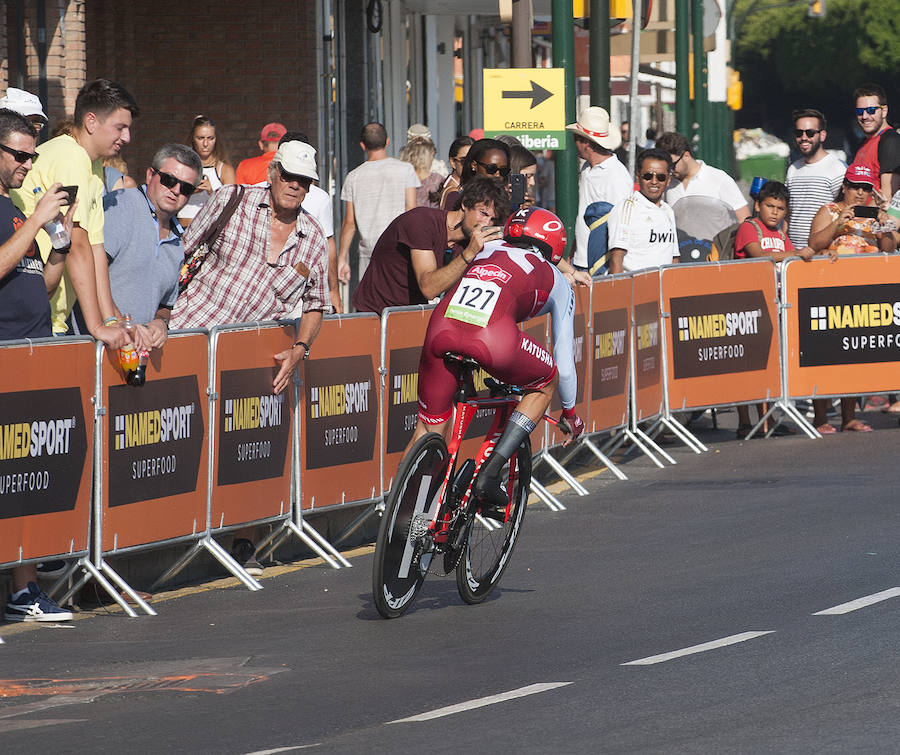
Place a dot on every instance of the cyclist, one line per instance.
(508, 282)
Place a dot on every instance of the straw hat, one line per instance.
(594, 125)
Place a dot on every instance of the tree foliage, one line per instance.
(788, 60)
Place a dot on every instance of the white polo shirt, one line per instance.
(709, 182)
(645, 231)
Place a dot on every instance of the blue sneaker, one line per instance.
(35, 605)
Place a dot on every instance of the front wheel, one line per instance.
(404, 550)
(488, 551)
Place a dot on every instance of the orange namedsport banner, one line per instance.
(252, 450)
(608, 350)
(582, 364)
(46, 448)
(722, 341)
(648, 394)
(843, 326)
(154, 444)
(339, 460)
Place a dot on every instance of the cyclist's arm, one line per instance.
(561, 306)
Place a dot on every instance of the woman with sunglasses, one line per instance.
(839, 228)
(217, 170)
(458, 151)
(486, 157)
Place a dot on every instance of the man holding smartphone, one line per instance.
(407, 261)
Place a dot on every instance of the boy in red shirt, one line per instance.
(760, 236)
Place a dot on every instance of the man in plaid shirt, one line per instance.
(269, 260)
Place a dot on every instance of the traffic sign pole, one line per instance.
(599, 52)
(566, 160)
(682, 72)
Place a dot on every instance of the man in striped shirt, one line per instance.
(814, 179)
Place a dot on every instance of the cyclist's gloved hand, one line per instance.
(572, 424)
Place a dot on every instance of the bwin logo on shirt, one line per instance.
(661, 238)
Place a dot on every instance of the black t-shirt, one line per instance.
(889, 152)
(389, 280)
(24, 304)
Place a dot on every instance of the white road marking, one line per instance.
(721, 643)
(283, 749)
(531, 689)
(855, 605)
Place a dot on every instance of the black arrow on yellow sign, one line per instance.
(537, 95)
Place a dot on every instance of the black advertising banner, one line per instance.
(716, 334)
(646, 337)
(609, 353)
(43, 444)
(254, 426)
(155, 438)
(341, 411)
(849, 324)
(403, 396)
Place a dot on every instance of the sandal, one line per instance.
(826, 429)
(856, 426)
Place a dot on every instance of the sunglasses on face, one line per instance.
(871, 110)
(304, 181)
(810, 132)
(170, 182)
(20, 156)
(659, 176)
(858, 187)
(491, 168)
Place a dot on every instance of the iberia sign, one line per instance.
(527, 103)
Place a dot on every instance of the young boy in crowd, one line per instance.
(761, 236)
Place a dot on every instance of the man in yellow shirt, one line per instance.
(103, 115)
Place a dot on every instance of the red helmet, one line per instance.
(538, 227)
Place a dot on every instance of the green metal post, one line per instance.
(566, 160)
(682, 67)
(599, 53)
(700, 87)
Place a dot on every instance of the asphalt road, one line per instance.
(713, 574)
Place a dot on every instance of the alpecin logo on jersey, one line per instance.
(489, 273)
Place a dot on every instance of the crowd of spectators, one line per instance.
(417, 223)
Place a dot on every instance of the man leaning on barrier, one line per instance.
(26, 283)
(269, 261)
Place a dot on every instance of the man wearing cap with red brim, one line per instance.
(603, 178)
(253, 170)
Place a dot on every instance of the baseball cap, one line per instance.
(860, 174)
(23, 103)
(297, 158)
(272, 132)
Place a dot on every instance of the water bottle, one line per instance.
(59, 237)
(128, 355)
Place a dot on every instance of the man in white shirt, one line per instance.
(603, 178)
(814, 179)
(642, 227)
(692, 177)
(374, 193)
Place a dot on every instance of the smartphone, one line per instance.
(865, 211)
(71, 191)
(517, 193)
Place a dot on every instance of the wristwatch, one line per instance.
(306, 348)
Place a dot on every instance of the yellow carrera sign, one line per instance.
(528, 103)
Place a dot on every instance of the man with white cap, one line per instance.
(603, 178)
(27, 104)
(269, 258)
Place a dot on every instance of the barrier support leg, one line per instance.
(91, 571)
(561, 471)
(604, 459)
(321, 549)
(633, 436)
(683, 434)
(551, 501)
(126, 588)
(486, 523)
(376, 507)
(804, 424)
(217, 552)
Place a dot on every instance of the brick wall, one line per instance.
(236, 62)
